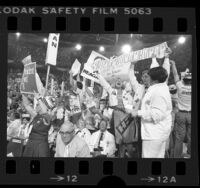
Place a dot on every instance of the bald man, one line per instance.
(68, 144)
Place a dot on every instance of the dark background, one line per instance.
(32, 44)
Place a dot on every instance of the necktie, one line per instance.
(100, 139)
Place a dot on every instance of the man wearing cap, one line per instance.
(69, 144)
(182, 126)
(37, 145)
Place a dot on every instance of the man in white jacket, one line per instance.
(102, 142)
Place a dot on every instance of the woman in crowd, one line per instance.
(37, 145)
(155, 113)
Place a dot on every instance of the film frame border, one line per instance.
(109, 167)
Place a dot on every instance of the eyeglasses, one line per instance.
(65, 133)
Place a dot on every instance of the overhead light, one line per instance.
(181, 40)
(18, 34)
(101, 49)
(45, 40)
(78, 47)
(126, 48)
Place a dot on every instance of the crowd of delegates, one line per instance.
(125, 119)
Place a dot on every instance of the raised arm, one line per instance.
(154, 62)
(166, 64)
(88, 92)
(132, 78)
(72, 82)
(27, 106)
(104, 83)
(174, 71)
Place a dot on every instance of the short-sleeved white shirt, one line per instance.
(184, 96)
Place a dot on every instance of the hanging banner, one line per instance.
(75, 69)
(128, 129)
(28, 83)
(52, 48)
(118, 67)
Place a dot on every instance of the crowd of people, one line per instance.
(125, 119)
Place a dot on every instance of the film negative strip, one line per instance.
(72, 77)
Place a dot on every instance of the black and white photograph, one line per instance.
(73, 95)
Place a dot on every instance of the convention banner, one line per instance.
(118, 67)
(124, 124)
(52, 48)
(28, 83)
(128, 129)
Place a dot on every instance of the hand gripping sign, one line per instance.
(28, 84)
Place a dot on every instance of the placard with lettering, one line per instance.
(28, 83)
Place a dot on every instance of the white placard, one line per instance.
(118, 67)
(52, 48)
(90, 66)
(75, 69)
